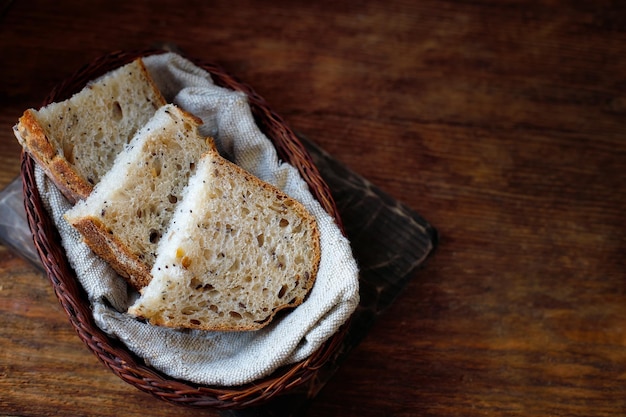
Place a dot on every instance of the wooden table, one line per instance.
(502, 123)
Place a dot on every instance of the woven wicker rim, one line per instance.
(73, 299)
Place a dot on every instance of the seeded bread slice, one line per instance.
(76, 141)
(238, 250)
(124, 217)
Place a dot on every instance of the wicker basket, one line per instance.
(110, 351)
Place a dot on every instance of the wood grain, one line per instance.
(502, 123)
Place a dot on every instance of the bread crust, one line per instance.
(33, 138)
(107, 246)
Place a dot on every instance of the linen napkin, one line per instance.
(207, 357)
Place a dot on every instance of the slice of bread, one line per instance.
(76, 141)
(238, 250)
(124, 217)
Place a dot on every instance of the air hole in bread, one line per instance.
(116, 111)
(192, 166)
(172, 199)
(196, 284)
(156, 167)
(283, 223)
(188, 311)
(260, 239)
(195, 321)
(68, 152)
(277, 208)
(297, 228)
(154, 236)
(213, 308)
(235, 315)
(282, 291)
(245, 211)
(235, 266)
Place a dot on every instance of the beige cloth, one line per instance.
(220, 358)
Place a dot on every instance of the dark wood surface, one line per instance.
(503, 123)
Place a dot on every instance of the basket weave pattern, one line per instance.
(74, 300)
